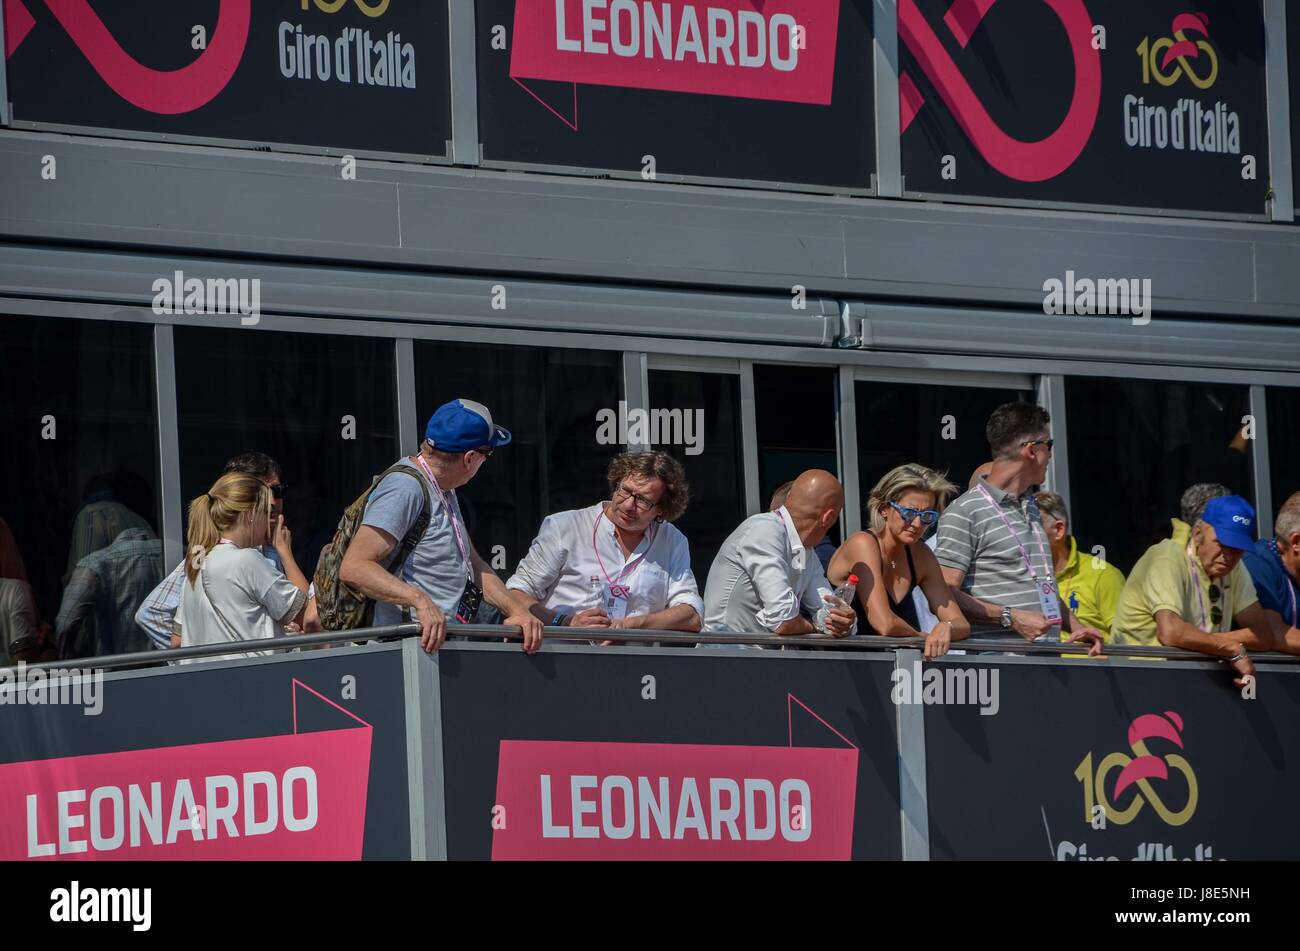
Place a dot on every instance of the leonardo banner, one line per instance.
(1157, 105)
(778, 92)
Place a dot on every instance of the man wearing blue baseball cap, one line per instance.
(436, 571)
(1197, 595)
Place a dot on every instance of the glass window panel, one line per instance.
(1283, 447)
(548, 399)
(941, 427)
(77, 402)
(287, 395)
(1135, 445)
(795, 408)
(716, 470)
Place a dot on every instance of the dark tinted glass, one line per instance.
(1135, 445)
(548, 399)
(77, 403)
(941, 427)
(795, 409)
(321, 406)
(1283, 447)
(713, 461)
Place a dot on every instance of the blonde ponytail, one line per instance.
(215, 511)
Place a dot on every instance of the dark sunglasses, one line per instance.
(486, 451)
(278, 491)
(907, 513)
(1216, 610)
(1040, 442)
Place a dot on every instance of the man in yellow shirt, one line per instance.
(1189, 595)
(1089, 585)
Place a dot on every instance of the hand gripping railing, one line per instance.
(493, 632)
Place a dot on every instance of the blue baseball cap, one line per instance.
(1233, 521)
(462, 425)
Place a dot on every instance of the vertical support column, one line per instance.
(4, 83)
(913, 798)
(408, 415)
(425, 776)
(463, 55)
(749, 438)
(1260, 463)
(636, 389)
(889, 160)
(848, 446)
(169, 455)
(1282, 206)
(1051, 396)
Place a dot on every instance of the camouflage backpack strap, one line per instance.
(416, 532)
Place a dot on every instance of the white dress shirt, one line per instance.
(761, 577)
(561, 562)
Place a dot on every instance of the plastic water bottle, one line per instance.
(595, 594)
(847, 591)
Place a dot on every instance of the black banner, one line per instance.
(1085, 762)
(1157, 105)
(688, 754)
(780, 92)
(301, 758)
(362, 76)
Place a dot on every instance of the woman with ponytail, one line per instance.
(231, 592)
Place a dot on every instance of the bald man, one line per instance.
(766, 569)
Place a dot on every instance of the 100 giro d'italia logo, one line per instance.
(1103, 795)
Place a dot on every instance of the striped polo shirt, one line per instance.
(973, 539)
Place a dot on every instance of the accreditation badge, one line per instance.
(1048, 602)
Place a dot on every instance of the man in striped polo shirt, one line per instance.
(991, 544)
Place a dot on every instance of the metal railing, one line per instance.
(582, 636)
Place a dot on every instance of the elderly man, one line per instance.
(1274, 567)
(1089, 585)
(991, 543)
(639, 562)
(1189, 595)
(766, 570)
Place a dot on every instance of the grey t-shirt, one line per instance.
(436, 566)
(975, 539)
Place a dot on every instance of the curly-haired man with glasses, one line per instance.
(641, 562)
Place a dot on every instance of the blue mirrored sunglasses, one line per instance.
(907, 513)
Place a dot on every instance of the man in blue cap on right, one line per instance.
(1197, 595)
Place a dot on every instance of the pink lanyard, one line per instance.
(1033, 576)
(616, 586)
(451, 516)
(1200, 599)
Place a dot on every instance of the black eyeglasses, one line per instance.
(622, 494)
(486, 451)
(1040, 442)
(1216, 610)
(278, 490)
(907, 513)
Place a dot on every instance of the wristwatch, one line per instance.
(561, 619)
(1006, 617)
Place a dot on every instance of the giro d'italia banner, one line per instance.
(1155, 105)
(1085, 762)
(713, 754)
(779, 91)
(292, 759)
(357, 75)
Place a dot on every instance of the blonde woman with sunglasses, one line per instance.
(891, 561)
